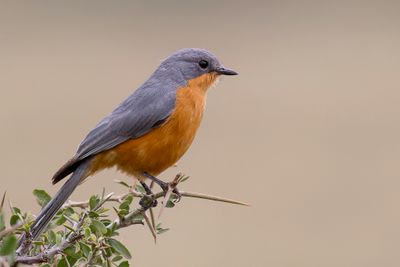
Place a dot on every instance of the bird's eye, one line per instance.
(203, 64)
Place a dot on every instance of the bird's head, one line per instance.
(191, 63)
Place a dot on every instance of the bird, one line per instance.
(148, 132)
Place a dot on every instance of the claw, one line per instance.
(166, 187)
(177, 194)
(148, 201)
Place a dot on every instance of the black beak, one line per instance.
(225, 71)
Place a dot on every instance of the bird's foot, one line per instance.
(148, 200)
(177, 194)
(167, 186)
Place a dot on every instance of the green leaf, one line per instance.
(8, 246)
(120, 248)
(14, 219)
(15, 210)
(102, 210)
(183, 178)
(124, 206)
(112, 229)
(93, 202)
(88, 232)
(117, 258)
(42, 197)
(124, 264)
(170, 204)
(139, 217)
(122, 183)
(122, 213)
(62, 263)
(128, 199)
(2, 223)
(106, 222)
(26, 227)
(71, 260)
(73, 252)
(68, 211)
(93, 238)
(85, 249)
(59, 220)
(59, 237)
(51, 235)
(107, 252)
(38, 242)
(140, 188)
(99, 226)
(162, 230)
(125, 203)
(93, 214)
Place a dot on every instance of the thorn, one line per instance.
(171, 187)
(152, 230)
(152, 219)
(165, 200)
(2, 200)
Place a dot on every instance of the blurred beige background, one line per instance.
(308, 133)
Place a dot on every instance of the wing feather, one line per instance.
(133, 118)
(147, 108)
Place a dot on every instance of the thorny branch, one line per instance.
(85, 204)
(51, 252)
(10, 230)
(137, 216)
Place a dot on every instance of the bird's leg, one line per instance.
(164, 186)
(147, 201)
(146, 188)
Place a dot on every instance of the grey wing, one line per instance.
(147, 108)
(143, 111)
(136, 116)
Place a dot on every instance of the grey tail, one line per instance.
(48, 212)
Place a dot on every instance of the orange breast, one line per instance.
(162, 147)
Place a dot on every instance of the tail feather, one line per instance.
(66, 169)
(48, 212)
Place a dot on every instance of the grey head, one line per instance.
(189, 63)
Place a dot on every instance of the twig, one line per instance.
(85, 204)
(151, 211)
(4, 262)
(149, 224)
(47, 254)
(10, 230)
(24, 244)
(129, 219)
(213, 198)
(152, 220)
(119, 199)
(92, 257)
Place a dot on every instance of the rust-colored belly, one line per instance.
(159, 149)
